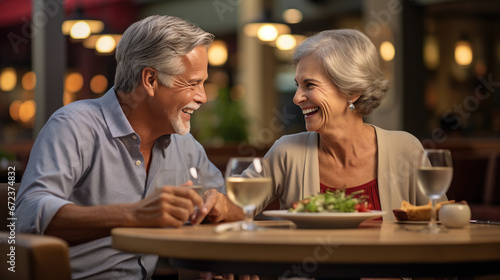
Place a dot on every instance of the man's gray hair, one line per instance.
(351, 62)
(158, 42)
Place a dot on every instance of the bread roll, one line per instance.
(409, 212)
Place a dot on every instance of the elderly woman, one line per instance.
(339, 81)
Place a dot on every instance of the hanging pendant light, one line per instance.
(463, 52)
(80, 27)
(265, 28)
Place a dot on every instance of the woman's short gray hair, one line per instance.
(351, 61)
(158, 42)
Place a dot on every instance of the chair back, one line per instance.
(33, 257)
(7, 194)
(28, 256)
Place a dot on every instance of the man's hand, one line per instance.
(168, 206)
(218, 208)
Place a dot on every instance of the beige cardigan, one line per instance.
(294, 168)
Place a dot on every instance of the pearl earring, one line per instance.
(351, 106)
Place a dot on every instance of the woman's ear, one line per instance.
(354, 97)
(149, 80)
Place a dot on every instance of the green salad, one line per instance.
(336, 201)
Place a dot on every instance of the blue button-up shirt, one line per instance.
(88, 154)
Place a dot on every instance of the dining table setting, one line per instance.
(280, 248)
(329, 235)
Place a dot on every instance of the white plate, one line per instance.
(325, 219)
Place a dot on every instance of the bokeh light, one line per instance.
(463, 53)
(73, 82)
(292, 16)
(28, 81)
(8, 79)
(27, 110)
(105, 44)
(431, 52)
(14, 109)
(267, 32)
(217, 53)
(387, 51)
(286, 42)
(80, 30)
(98, 84)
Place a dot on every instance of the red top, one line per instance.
(370, 192)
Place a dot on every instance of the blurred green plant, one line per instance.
(6, 155)
(220, 121)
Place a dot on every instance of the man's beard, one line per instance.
(179, 126)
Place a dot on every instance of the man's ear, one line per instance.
(149, 80)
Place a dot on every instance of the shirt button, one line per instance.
(137, 163)
(134, 137)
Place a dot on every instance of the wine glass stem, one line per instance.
(433, 223)
(248, 223)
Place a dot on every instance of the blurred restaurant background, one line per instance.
(442, 58)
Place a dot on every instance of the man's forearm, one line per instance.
(79, 224)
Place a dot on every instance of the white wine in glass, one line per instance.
(434, 175)
(247, 185)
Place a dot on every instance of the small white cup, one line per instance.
(455, 215)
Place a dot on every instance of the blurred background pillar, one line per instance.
(49, 56)
(383, 22)
(255, 74)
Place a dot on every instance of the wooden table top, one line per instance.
(374, 242)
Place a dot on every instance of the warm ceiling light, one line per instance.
(267, 32)
(217, 53)
(96, 26)
(105, 44)
(80, 30)
(90, 26)
(286, 42)
(463, 53)
(28, 81)
(91, 42)
(292, 16)
(8, 79)
(253, 29)
(387, 51)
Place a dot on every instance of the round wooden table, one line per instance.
(375, 249)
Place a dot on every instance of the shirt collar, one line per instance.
(116, 120)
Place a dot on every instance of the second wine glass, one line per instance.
(434, 175)
(247, 185)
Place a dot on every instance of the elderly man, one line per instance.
(93, 165)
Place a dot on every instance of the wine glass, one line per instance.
(196, 178)
(172, 177)
(247, 185)
(434, 175)
(176, 178)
